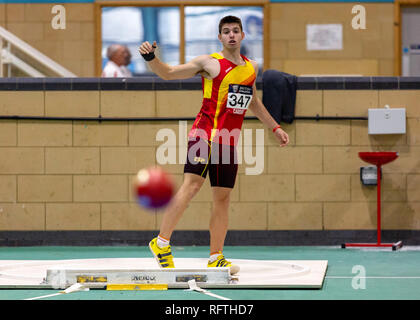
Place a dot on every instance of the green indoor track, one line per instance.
(352, 274)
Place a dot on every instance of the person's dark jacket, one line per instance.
(279, 95)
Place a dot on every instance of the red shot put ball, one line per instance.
(154, 187)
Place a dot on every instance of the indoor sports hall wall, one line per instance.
(73, 175)
(76, 175)
(368, 52)
(365, 52)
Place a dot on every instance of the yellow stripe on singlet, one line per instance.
(208, 86)
(208, 83)
(236, 76)
(208, 159)
(217, 56)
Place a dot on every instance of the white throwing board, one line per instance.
(253, 273)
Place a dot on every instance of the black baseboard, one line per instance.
(201, 238)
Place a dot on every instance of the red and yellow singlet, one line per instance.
(225, 101)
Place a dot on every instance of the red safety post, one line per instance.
(378, 159)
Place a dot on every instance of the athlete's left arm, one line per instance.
(260, 111)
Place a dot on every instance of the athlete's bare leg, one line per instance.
(219, 218)
(189, 188)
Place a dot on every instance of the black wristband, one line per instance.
(148, 56)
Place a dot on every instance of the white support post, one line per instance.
(9, 65)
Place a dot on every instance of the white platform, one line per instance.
(253, 273)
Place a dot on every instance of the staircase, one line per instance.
(17, 58)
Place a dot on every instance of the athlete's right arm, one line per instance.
(167, 72)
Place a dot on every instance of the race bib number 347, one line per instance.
(239, 98)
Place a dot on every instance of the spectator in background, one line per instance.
(119, 57)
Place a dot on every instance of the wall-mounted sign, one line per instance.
(324, 37)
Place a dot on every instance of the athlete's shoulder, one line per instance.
(210, 66)
(202, 58)
(216, 56)
(205, 59)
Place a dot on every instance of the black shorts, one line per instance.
(218, 159)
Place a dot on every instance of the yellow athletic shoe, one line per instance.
(162, 255)
(222, 262)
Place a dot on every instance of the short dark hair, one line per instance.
(229, 19)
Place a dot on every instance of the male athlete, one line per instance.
(228, 91)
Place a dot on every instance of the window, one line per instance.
(202, 28)
(130, 25)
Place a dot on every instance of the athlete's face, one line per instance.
(231, 35)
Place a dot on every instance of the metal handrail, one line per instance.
(7, 57)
